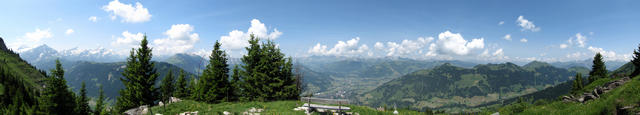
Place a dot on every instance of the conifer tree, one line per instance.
(192, 88)
(57, 98)
(636, 62)
(167, 87)
(182, 90)
(139, 79)
(83, 104)
(254, 81)
(236, 89)
(598, 69)
(213, 85)
(99, 110)
(577, 84)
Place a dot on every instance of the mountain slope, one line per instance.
(450, 87)
(19, 83)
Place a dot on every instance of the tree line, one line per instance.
(265, 75)
(599, 71)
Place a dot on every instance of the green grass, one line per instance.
(275, 107)
(625, 95)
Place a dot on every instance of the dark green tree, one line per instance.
(139, 79)
(636, 62)
(100, 105)
(267, 74)
(577, 84)
(236, 84)
(182, 90)
(57, 98)
(192, 88)
(167, 87)
(214, 86)
(83, 104)
(598, 69)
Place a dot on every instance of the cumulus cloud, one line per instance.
(610, 55)
(379, 45)
(30, 40)
(37, 35)
(524, 40)
(69, 31)
(498, 52)
(128, 39)
(348, 48)
(407, 47)
(579, 40)
(93, 19)
(127, 12)
(507, 37)
(454, 43)
(180, 38)
(500, 23)
(238, 39)
(526, 24)
(563, 46)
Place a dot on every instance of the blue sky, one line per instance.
(461, 30)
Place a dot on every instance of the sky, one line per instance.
(493, 30)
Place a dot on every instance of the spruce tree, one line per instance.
(213, 86)
(254, 81)
(577, 84)
(167, 87)
(182, 90)
(236, 89)
(636, 62)
(139, 79)
(598, 69)
(83, 104)
(192, 88)
(57, 98)
(99, 110)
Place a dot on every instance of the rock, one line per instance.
(226, 113)
(588, 97)
(174, 99)
(160, 103)
(189, 113)
(496, 113)
(142, 110)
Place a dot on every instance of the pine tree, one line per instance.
(99, 110)
(598, 69)
(254, 81)
(236, 89)
(192, 88)
(182, 90)
(636, 62)
(577, 84)
(83, 104)
(213, 86)
(139, 79)
(167, 87)
(56, 97)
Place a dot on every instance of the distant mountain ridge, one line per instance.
(454, 88)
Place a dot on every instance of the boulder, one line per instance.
(142, 110)
(189, 113)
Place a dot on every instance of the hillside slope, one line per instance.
(20, 83)
(455, 88)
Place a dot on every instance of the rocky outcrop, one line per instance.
(3, 47)
(142, 110)
(595, 94)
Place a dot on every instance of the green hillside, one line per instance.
(457, 89)
(270, 108)
(20, 84)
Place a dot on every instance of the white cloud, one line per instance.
(610, 55)
(127, 12)
(498, 52)
(507, 37)
(69, 31)
(128, 39)
(527, 25)
(576, 56)
(524, 40)
(37, 35)
(450, 43)
(500, 23)
(379, 45)
(238, 39)
(563, 46)
(180, 38)
(349, 48)
(580, 40)
(30, 40)
(93, 19)
(407, 47)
